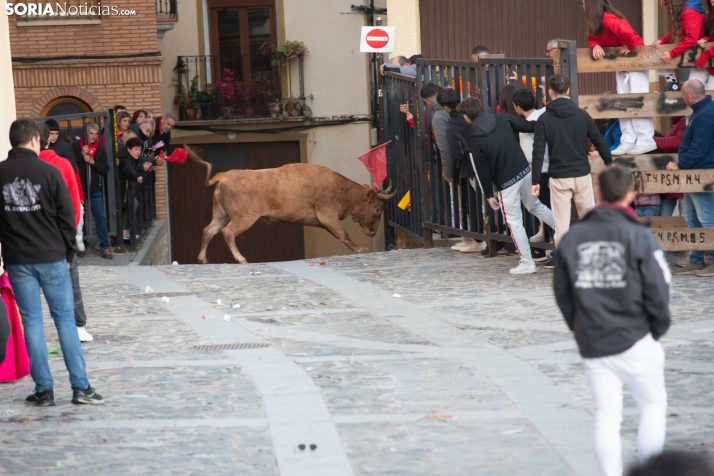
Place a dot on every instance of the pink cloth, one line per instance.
(376, 162)
(16, 364)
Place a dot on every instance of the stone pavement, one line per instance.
(469, 371)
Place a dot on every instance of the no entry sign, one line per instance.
(377, 39)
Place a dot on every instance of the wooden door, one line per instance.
(190, 206)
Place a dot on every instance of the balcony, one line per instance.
(166, 16)
(235, 88)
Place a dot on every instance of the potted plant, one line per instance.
(189, 100)
(207, 100)
(228, 93)
(259, 95)
(287, 51)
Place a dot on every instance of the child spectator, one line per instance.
(123, 123)
(612, 285)
(607, 27)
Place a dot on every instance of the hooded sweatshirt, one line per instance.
(36, 220)
(611, 282)
(457, 132)
(693, 20)
(565, 129)
(497, 154)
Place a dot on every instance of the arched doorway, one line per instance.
(66, 105)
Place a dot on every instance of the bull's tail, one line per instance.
(193, 155)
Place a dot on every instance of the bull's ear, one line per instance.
(371, 194)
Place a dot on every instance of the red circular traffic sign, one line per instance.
(377, 38)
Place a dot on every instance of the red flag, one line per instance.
(376, 162)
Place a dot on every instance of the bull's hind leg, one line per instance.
(220, 220)
(235, 228)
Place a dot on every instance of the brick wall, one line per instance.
(134, 83)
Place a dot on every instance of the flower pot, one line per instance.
(249, 112)
(289, 108)
(208, 111)
(227, 112)
(190, 114)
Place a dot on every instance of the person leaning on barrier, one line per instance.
(697, 152)
(398, 64)
(162, 132)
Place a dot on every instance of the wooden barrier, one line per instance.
(664, 222)
(610, 106)
(685, 239)
(642, 58)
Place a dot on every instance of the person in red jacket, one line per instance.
(708, 36)
(669, 144)
(607, 27)
(686, 28)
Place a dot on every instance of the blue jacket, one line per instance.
(696, 5)
(697, 148)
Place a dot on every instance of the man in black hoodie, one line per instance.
(500, 164)
(38, 231)
(612, 284)
(566, 128)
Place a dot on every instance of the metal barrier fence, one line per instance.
(414, 162)
(118, 192)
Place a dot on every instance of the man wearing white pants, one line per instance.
(637, 134)
(612, 284)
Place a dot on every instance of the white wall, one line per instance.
(404, 16)
(7, 98)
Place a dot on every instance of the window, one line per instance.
(238, 29)
(65, 105)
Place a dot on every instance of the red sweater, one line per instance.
(692, 28)
(68, 177)
(704, 59)
(615, 32)
(670, 142)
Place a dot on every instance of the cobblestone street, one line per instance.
(421, 362)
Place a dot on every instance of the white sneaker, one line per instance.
(461, 244)
(642, 149)
(84, 336)
(80, 246)
(538, 237)
(525, 267)
(623, 148)
(474, 247)
(127, 235)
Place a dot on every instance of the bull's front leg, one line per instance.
(333, 225)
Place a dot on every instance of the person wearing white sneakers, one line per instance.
(499, 164)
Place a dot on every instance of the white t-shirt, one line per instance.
(527, 142)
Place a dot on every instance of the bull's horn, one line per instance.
(387, 196)
(389, 189)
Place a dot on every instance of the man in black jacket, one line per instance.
(612, 284)
(499, 163)
(38, 232)
(566, 128)
(162, 131)
(93, 168)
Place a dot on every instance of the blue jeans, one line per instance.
(699, 213)
(668, 206)
(96, 200)
(648, 211)
(54, 280)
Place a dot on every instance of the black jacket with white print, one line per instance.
(36, 218)
(612, 282)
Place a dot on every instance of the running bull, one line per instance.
(305, 194)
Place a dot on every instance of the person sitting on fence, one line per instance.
(49, 156)
(499, 163)
(564, 129)
(398, 64)
(459, 167)
(697, 152)
(139, 117)
(524, 101)
(607, 27)
(92, 155)
(162, 131)
(704, 60)
(612, 285)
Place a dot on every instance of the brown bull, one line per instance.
(305, 194)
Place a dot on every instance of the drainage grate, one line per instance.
(208, 348)
(108, 338)
(156, 295)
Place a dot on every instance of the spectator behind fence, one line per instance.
(144, 131)
(564, 129)
(92, 155)
(37, 226)
(612, 284)
(524, 103)
(697, 152)
(162, 132)
(47, 155)
(123, 123)
(399, 64)
(119, 108)
(149, 116)
(129, 154)
(439, 121)
(675, 463)
(138, 117)
(478, 52)
(499, 163)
